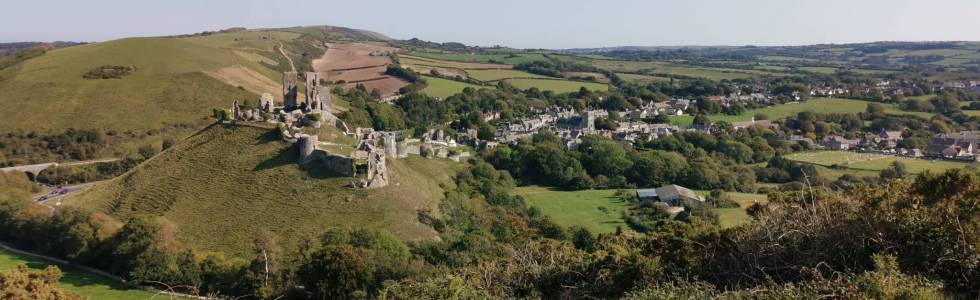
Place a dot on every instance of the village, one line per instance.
(634, 126)
(367, 160)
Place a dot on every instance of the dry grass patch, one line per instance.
(247, 78)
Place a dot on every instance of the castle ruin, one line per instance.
(367, 162)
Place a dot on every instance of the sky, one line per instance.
(516, 23)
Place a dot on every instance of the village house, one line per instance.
(960, 145)
(890, 138)
(680, 104)
(827, 91)
(836, 142)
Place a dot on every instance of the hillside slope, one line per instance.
(225, 185)
(169, 84)
(176, 80)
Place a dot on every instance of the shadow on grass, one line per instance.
(268, 137)
(289, 156)
(286, 156)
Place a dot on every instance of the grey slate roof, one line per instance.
(646, 193)
(667, 192)
(674, 191)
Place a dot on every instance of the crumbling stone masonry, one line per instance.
(267, 103)
(368, 162)
(312, 88)
(308, 153)
(377, 171)
(289, 90)
(307, 146)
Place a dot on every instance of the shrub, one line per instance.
(109, 72)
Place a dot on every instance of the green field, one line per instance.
(225, 185)
(682, 120)
(494, 75)
(512, 59)
(836, 173)
(772, 68)
(783, 58)
(600, 211)
(556, 85)
(75, 280)
(662, 69)
(596, 210)
(411, 60)
(821, 70)
(819, 105)
(874, 162)
(731, 217)
(641, 78)
(443, 88)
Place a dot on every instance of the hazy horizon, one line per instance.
(540, 24)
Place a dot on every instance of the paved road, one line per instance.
(60, 192)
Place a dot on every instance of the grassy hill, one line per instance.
(225, 185)
(174, 85)
(170, 85)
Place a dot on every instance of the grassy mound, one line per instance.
(225, 185)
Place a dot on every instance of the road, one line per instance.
(59, 192)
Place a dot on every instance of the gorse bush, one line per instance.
(109, 72)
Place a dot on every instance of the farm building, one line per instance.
(835, 142)
(672, 195)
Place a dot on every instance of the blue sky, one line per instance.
(524, 24)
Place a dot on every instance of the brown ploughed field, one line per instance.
(353, 62)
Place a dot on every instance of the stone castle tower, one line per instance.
(307, 145)
(391, 145)
(289, 90)
(312, 88)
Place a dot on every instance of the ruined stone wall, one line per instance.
(377, 171)
(289, 90)
(267, 103)
(338, 163)
(391, 146)
(307, 145)
(312, 88)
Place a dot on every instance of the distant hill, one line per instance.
(7, 48)
(225, 185)
(336, 33)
